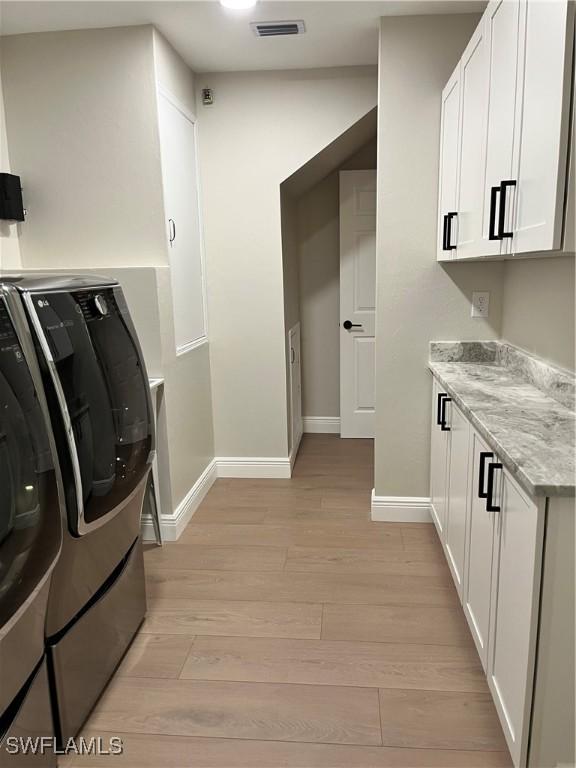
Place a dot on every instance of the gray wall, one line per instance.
(318, 234)
(538, 307)
(82, 132)
(262, 127)
(93, 184)
(417, 298)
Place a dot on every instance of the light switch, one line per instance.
(480, 303)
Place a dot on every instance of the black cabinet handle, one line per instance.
(449, 246)
(492, 234)
(443, 426)
(502, 213)
(447, 232)
(438, 407)
(482, 494)
(490, 506)
(348, 324)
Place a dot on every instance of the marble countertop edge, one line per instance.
(534, 489)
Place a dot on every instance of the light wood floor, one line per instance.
(286, 629)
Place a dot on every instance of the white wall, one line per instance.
(9, 232)
(262, 127)
(82, 132)
(417, 298)
(318, 229)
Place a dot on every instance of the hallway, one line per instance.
(284, 628)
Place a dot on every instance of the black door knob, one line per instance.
(348, 324)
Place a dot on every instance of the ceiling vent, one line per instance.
(277, 28)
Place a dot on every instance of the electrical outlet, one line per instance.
(480, 304)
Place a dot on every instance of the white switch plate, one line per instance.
(480, 303)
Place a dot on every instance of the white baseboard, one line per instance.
(253, 467)
(173, 525)
(322, 424)
(401, 509)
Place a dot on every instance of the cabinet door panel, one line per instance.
(514, 613)
(457, 494)
(541, 134)
(479, 546)
(448, 160)
(474, 97)
(502, 19)
(438, 466)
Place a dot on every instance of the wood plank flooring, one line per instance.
(286, 629)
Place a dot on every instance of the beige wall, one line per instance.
(262, 127)
(9, 242)
(82, 131)
(417, 298)
(318, 229)
(538, 307)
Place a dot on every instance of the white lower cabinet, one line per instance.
(438, 459)
(516, 571)
(457, 497)
(492, 534)
(479, 545)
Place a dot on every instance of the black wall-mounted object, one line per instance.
(11, 206)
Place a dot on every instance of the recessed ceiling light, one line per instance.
(238, 5)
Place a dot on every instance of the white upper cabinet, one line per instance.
(542, 122)
(514, 82)
(502, 23)
(448, 187)
(472, 149)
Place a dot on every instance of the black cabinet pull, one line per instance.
(490, 506)
(449, 246)
(492, 234)
(502, 213)
(447, 232)
(438, 407)
(482, 494)
(443, 426)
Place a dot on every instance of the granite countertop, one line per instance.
(520, 406)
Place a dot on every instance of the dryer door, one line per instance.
(30, 524)
(102, 389)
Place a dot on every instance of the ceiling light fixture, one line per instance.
(238, 5)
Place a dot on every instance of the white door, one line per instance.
(295, 388)
(181, 204)
(474, 98)
(357, 302)
(503, 33)
(457, 508)
(479, 546)
(542, 116)
(438, 460)
(447, 193)
(514, 612)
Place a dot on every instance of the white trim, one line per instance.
(322, 424)
(294, 452)
(400, 509)
(253, 467)
(190, 345)
(174, 524)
